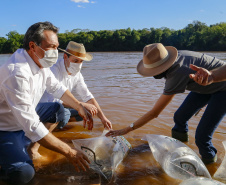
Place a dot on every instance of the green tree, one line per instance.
(3, 40)
(195, 36)
(14, 42)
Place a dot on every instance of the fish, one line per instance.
(177, 159)
(220, 173)
(201, 181)
(105, 153)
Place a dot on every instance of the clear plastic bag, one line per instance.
(221, 171)
(201, 181)
(176, 158)
(105, 153)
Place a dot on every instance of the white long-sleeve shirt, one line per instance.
(75, 84)
(22, 84)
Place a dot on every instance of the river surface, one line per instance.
(124, 96)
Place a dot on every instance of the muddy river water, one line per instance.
(124, 96)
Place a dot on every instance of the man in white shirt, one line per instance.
(23, 80)
(67, 71)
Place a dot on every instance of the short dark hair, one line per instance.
(35, 33)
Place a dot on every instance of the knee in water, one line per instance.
(22, 175)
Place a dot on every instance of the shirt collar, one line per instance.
(63, 68)
(34, 67)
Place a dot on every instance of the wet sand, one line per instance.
(124, 96)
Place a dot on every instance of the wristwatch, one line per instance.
(132, 126)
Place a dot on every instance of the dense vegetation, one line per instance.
(196, 36)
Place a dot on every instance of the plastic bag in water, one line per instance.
(105, 153)
(221, 171)
(201, 181)
(176, 158)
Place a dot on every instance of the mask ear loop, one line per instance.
(40, 48)
(66, 59)
(66, 67)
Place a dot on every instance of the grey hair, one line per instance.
(35, 33)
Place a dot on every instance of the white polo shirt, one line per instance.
(22, 84)
(75, 84)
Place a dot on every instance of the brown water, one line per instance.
(124, 96)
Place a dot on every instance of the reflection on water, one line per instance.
(124, 96)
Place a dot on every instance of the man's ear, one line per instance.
(65, 56)
(31, 45)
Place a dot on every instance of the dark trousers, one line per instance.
(214, 113)
(16, 165)
(68, 112)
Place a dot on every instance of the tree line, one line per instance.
(196, 36)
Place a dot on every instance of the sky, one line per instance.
(18, 15)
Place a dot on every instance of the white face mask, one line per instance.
(50, 57)
(74, 68)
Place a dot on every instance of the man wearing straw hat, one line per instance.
(166, 62)
(67, 71)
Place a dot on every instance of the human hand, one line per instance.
(107, 124)
(91, 108)
(202, 76)
(87, 117)
(78, 159)
(120, 132)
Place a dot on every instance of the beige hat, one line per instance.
(156, 59)
(78, 50)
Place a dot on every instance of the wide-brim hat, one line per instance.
(78, 50)
(156, 59)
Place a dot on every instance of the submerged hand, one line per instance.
(78, 159)
(202, 76)
(118, 132)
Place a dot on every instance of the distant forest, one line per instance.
(196, 36)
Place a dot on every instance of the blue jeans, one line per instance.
(52, 112)
(16, 165)
(69, 113)
(214, 113)
(74, 113)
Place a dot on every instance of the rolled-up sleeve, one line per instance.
(17, 94)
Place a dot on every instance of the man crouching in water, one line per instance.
(23, 80)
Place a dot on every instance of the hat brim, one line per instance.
(88, 56)
(172, 51)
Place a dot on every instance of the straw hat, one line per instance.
(78, 50)
(156, 59)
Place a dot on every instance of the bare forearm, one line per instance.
(76, 157)
(107, 123)
(100, 114)
(144, 119)
(53, 143)
(70, 101)
(161, 103)
(159, 106)
(137, 124)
